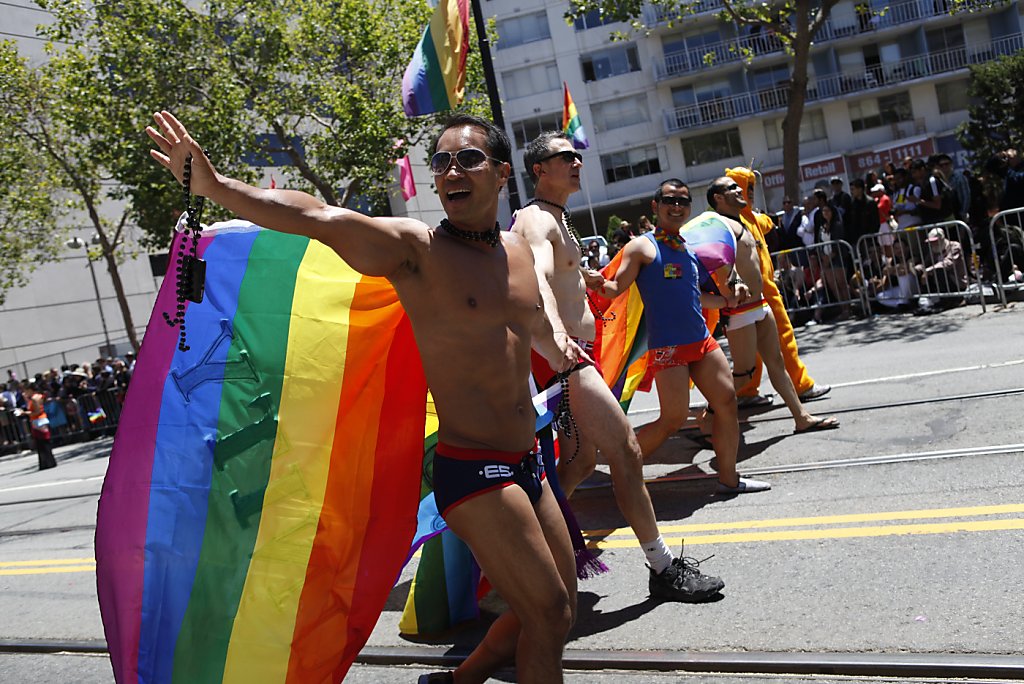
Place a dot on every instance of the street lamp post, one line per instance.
(76, 243)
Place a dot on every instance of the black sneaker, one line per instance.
(437, 678)
(683, 581)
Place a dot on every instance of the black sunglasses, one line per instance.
(676, 201)
(567, 156)
(468, 159)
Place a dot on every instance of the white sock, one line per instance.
(658, 555)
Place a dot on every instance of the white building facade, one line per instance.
(887, 80)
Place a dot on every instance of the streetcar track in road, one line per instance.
(900, 666)
(44, 530)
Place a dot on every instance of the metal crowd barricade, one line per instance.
(816, 277)
(15, 431)
(71, 420)
(887, 264)
(1010, 223)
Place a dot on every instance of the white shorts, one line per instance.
(742, 320)
(885, 234)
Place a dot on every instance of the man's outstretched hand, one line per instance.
(175, 145)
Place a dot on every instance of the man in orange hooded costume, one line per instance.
(759, 225)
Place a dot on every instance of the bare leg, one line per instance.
(603, 426)
(768, 346)
(711, 375)
(525, 552)
(674, 404)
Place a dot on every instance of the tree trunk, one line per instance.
(115, 276)
(797, 98)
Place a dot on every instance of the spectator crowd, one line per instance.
(73, 402)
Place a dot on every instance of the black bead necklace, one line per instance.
(566, 219)
(491, 237)
(190, 269)
(574, 234)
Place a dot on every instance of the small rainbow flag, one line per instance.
(435, 79)
(261, 497)
(571, 124)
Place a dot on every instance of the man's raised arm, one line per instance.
(373, 246)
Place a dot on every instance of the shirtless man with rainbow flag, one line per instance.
(472, 297)
(555, 167)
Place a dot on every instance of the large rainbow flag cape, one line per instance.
(261, 497)
(621, 345)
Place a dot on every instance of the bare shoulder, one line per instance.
(515, 242)
(640, 247)
(535, 225)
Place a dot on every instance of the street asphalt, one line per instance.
(900, 533)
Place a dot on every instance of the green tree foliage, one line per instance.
(996, 112)
(793, 22)
(313, 85)
(28, 210)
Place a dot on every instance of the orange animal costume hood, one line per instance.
(746, 180)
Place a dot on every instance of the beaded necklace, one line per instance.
(191, 271)
(574, 234)
(566, 219)
(491, 237)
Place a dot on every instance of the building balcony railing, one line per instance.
(873, 77)
(676, 63)
(733, 50)
(657, 15)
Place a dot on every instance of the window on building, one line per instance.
(522, 30)
(812, 127)
(642, 161)
(526, 183)
(771, 77)
(712, 147)
(621, 59)
(952, 96)
(526, 130)
(591, 19)
(539, 78)
(872, 113)
(624, 111)
(949, 38)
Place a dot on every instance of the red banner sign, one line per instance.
(863, 162)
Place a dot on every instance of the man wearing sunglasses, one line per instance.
(472, 296)
(750, 327)
(670, 279)
(555, 168)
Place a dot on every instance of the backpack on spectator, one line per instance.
(950, 204)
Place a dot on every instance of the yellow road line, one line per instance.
(49, 571)
(825, 520)
(831, 533)
(54, 561)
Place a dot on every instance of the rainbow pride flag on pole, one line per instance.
(262, 492)
(571, 124)
(435, 79)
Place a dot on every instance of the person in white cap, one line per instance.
(884, 203)
(947, 268)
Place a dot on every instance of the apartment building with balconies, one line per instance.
(886, 80)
